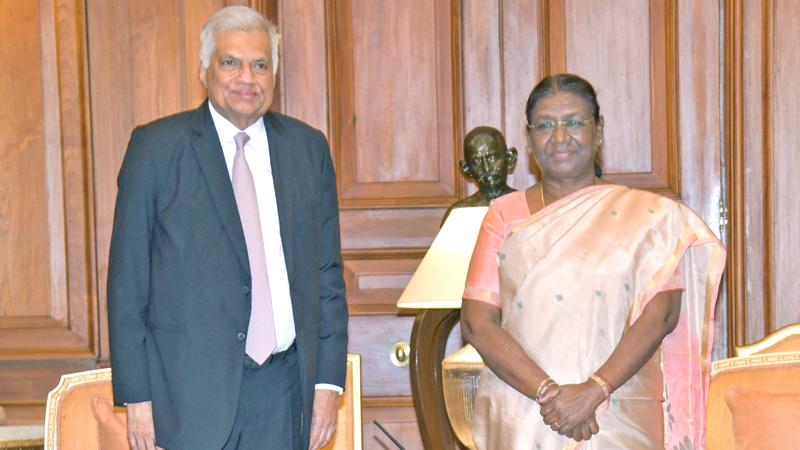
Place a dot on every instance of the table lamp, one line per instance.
(438, 282)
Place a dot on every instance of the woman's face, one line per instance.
(564, 138)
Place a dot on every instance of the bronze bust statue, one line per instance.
(487, 160)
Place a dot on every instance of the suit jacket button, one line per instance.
(241, 336)
(245, 290)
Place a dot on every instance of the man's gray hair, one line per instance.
(239, 18)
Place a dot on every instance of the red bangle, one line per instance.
(610, 386)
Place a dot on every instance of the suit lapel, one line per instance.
(282, 166)
(205, 143)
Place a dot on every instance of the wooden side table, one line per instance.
(22, 437)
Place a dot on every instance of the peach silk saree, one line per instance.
(570, 280)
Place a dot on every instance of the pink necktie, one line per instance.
(261, 331)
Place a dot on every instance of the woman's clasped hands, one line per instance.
(569, 409)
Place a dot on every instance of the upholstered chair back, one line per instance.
(754, 400)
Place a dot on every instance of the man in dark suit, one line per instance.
(227, 315)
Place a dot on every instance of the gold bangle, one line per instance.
(611, 387)
(547, 387)
(602, 383)
(544, 386)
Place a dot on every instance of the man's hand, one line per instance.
(323, 420)
(141, 434)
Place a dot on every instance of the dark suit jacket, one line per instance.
(179, 277)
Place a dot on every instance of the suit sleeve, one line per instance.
(332, 359)
(129, 272)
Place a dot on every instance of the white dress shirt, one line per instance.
(257, 153)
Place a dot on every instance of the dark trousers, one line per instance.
(270, 405)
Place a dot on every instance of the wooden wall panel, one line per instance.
(752, 182)
(607, 48)
(26, 254)
(483, 74)
(784, 163)
(375, 279)
(304, 27)
(47, 296)
(396, 414)
(155, 45)
(762, 110)
(24, 385)
(501, 63)
(522, 48)
(373, 337)
(638, 77)
(393, 110)
(389, 228)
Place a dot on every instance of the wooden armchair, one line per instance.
(754, 400)
(348, 422)
(80, 413)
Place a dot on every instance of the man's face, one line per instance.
(487, 160)
(239, 77)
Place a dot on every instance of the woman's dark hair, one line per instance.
(566, 82)
(563, 82)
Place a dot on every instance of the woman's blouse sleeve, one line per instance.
(483, 281)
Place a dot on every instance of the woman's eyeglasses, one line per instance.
(547, 127)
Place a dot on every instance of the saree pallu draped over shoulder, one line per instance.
(571, 279)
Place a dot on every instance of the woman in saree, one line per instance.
(590, 303)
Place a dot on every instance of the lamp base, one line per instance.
(461, 373)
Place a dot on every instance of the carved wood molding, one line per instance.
(768, 12)
(734, 136)
(400, 401)
(748, 362)
(384, 253)
(376, 278)
(743, 306)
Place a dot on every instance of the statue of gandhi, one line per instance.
(487, 160)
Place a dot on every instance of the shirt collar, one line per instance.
(227, 130)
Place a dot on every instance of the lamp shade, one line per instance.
(439, 280)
